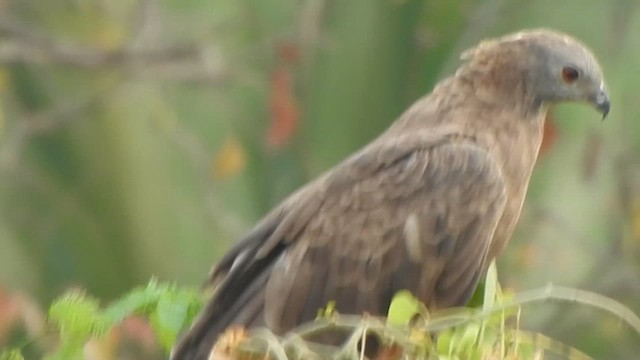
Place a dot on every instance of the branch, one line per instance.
(190, 61)
(40, 123)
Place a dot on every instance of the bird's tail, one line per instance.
(222, 312)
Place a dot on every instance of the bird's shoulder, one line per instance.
(432, 158)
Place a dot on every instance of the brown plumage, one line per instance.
(424, 207)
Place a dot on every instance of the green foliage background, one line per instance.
(114, 111)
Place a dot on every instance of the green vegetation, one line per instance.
(77, 317)
(491, 331)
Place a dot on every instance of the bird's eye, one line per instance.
(570, 74)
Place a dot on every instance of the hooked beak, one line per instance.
(602, 103)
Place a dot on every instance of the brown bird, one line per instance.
(425, 207)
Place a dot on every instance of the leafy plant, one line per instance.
(78, 317)
(490, 331)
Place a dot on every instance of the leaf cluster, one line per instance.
(77, 317)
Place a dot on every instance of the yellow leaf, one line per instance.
(110, 36)
(328, 311)
(230, 160)
(226, 347)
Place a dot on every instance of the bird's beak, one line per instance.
(602, 102)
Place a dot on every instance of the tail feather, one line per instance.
(246, 311)
(238, 300)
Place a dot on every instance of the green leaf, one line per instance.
(77, 316)
(328, 311)
(141, 300)
(404, 306)
(171, 315)
(490, 287)
(443, 346)
(468, 338)
(11, 354)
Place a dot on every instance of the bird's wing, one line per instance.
(417, 213)
(420, 219)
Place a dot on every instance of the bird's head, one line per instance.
(557, 68)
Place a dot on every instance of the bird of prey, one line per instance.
(424, 207)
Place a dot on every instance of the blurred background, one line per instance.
(140, 138)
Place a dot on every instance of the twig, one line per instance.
(553, 292)
(274, 346)
(459, 316)
(40, 123)
(360, 326)
(32, 47)
(189, 61)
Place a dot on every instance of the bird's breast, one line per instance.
(516, 146)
